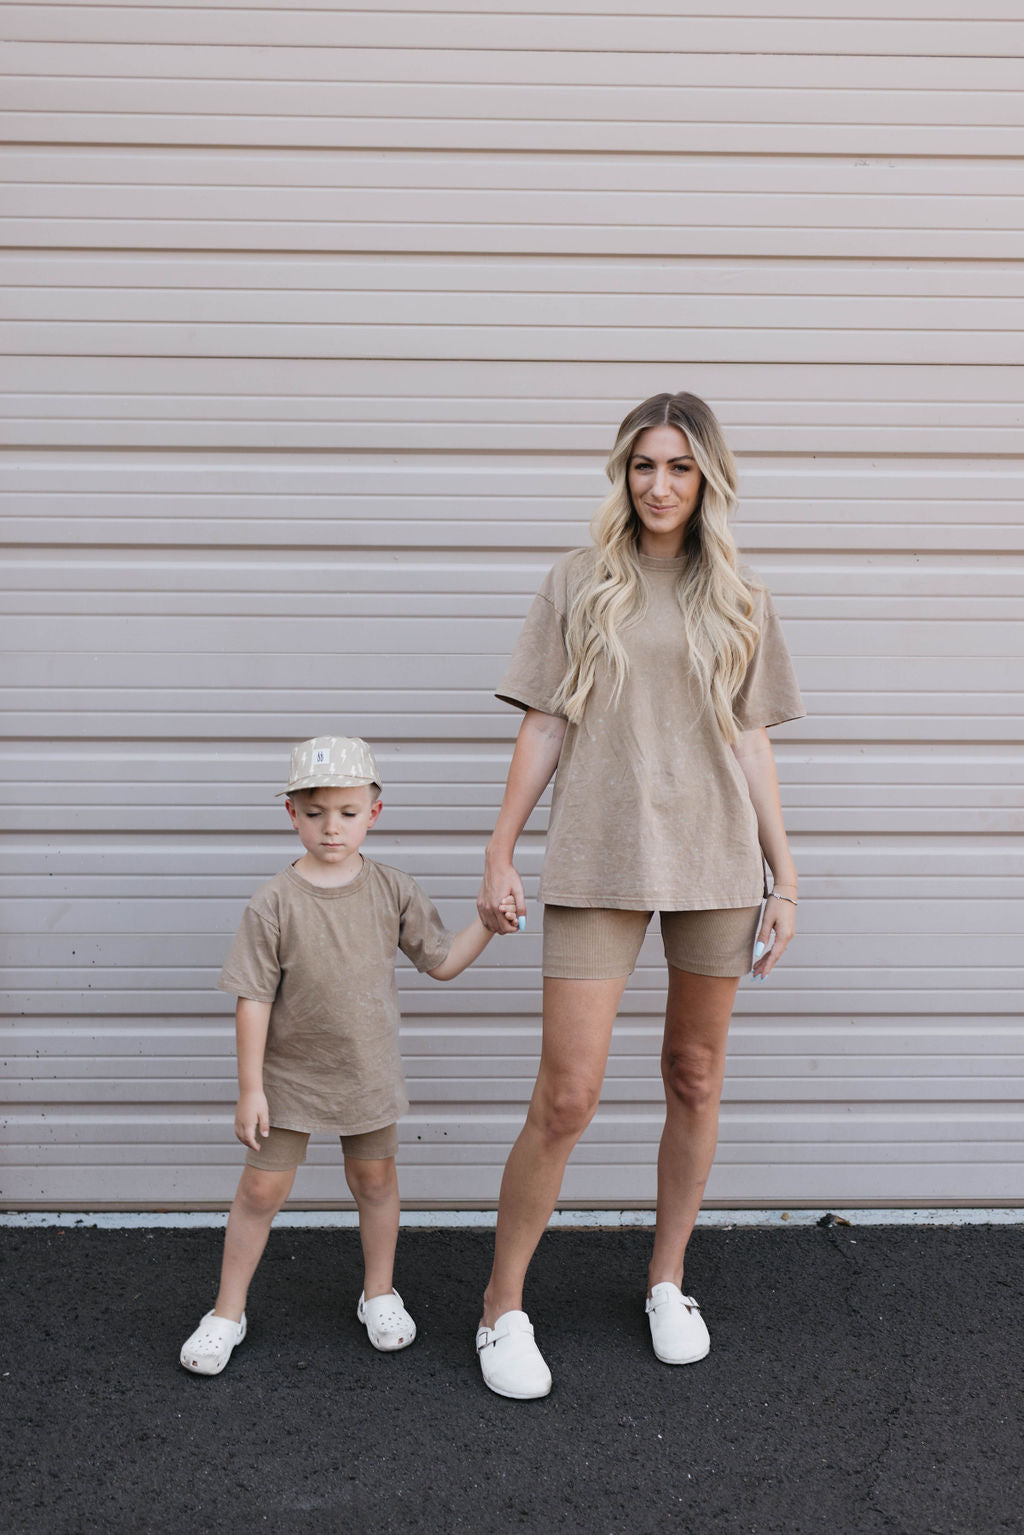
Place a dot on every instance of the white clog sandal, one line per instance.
(510, 1360)
(210, 1347)
(388, 1324)
(678, 1330)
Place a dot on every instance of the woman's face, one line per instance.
(665, 485)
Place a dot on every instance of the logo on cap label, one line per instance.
(321, 757)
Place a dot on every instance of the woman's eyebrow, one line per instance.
(677, 458)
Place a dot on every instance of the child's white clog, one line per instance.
(210, 1347)
(387, 1322)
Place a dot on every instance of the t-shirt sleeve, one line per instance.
(253, 968)
(422, 936)
(770, 693)
(539, 659)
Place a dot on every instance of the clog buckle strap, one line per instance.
(511, 1363)
(678, 1331)
(506, 1326)
(687, 1300)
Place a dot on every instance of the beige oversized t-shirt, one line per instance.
(325, 960)
(650, 810)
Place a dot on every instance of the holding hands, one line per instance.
(501, 904)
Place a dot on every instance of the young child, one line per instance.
(313, 968)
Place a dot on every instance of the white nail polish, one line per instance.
(522, 924)
(758, 949)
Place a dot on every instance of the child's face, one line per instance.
(332, 823)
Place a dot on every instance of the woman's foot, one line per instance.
(511, 1362)
(678, 1331)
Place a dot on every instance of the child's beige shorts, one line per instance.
(284, 1150)
(591, 944)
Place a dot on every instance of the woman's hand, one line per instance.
(252, 1114)
(501, 901)
(778, 924)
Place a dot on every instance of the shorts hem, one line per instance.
(587, 973)
(712, 973)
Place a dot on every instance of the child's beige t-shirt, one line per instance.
(325, 959)
(650, 810)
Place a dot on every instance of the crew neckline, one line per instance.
(653, 562)
(331, 891)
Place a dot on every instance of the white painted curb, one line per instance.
(721, 1220)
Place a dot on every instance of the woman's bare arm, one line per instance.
(754, 754)
(534, 760)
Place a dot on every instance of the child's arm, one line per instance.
(252, 1113)
(470, 944)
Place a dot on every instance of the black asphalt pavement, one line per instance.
(863, 1380)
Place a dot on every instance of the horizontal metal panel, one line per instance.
(545, 392)
(286, 318)
(279, 230)
(681, 70)
(101, 180)
(879, 131)
(985, 97)
(663, 28)
(340, 273)
(927, 11)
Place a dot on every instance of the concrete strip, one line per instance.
(723, 1220)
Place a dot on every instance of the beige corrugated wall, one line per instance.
(319, 322)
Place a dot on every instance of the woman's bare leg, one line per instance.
(693, 1066)
(260, 1195)
(578, 1019)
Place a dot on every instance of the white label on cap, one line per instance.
(320, 756)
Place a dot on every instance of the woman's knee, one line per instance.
(563, 1108)
(693, 1078)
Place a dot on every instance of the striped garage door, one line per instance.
(318, 323)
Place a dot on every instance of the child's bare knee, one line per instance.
(371, 1179)
(262, 1193)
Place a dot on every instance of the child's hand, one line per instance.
(252, 1114)
(507, 907)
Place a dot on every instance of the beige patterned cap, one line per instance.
(331, 762)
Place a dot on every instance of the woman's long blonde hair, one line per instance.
(716, 602)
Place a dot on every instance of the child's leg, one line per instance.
(374, 1186)
(260, 1195)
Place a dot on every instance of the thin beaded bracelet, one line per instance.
(780, 897)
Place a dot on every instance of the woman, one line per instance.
(648, 668)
